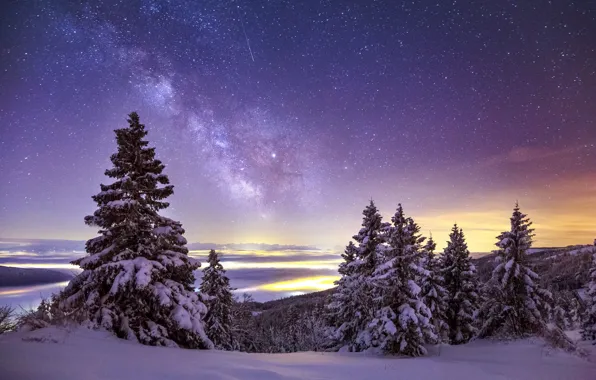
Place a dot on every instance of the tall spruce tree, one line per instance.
(137, 280)
(402, 321)
(515, 304)
(433, 293)
(220, 301)
(351, 308)
(589, 320)
(461, 285)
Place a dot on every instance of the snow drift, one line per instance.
(63, 354)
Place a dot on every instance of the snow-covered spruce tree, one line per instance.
(559, 315)
(433, 293)
(137, 280)
(589, 320)
(6, 318)
(515, 304)
(351, 308)
(218, 321)
(341, 309)
(461, 285)
(573, 312)
(402, 321)
(244, 329)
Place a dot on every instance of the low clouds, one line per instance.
(267, 271)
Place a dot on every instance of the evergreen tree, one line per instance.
(461, 284)
(137, 280)
(6, 319)
(559, 315)
(434, 294)
(515, 304)
(243, 328)
(340, 310)
(216, 286)
(369, 238)
(351, 308)
(573, 312)
(402, 321)
(589, 322)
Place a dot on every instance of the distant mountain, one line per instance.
(10, 276)
(564, 268)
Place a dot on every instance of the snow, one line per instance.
(414, 288)
(110, 192)
(164, 230)
(121, 203)
(587, 249)
(58, 354)
(509, 264)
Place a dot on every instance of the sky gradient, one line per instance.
(279, 120)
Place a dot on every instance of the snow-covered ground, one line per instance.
(60, 354)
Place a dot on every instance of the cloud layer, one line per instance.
(267, 272)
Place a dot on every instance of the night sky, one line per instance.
(279, 120)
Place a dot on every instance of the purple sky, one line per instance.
(278, 120)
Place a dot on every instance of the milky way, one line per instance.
(278, 120)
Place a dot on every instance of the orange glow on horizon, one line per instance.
(301, 284)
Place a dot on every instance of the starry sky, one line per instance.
(279, 120)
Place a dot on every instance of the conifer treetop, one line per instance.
(369, 238)
(519, 238)
(371, 225)
(216, 287)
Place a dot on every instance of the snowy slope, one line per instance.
(96, 355)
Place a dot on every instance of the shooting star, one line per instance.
(245, 35)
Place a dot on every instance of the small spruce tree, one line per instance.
(220, 301)
(559, 315)
(137, 280)
(434, 294)
(461, 285)
(589, 320)
(244, 328)
(515, 304)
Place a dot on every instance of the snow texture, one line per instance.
(53, 354)
(589, 319)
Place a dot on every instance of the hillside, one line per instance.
(60, 354)
(563, 268)
(10, 276)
